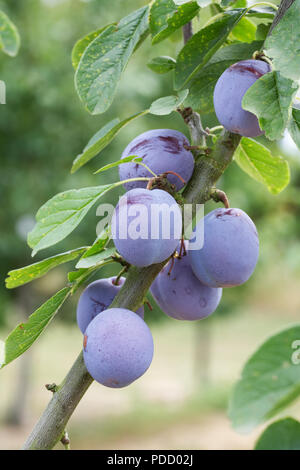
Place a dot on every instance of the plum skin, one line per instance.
(146, 251)
(229, 92)
(181, 295)
(230, 250)
(118, 347)
(162, 150)
(97, 297)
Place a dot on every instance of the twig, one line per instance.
(187, 31)
(65, 440)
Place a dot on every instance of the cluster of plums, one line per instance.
(118, 345)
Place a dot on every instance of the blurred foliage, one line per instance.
(44, 126)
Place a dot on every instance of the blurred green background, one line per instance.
(181, 401)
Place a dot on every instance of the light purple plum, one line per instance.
(117, 347)
(146, 226)
(161, 150)
(230, 250)
(97, 297)
(181, 295)
(229, 92)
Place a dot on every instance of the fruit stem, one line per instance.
(118, 258)
(220, 196)
(175, 174)
(259, 55)
(171, 265)
(117, 279)
(182, 251)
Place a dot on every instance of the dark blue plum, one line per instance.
(230, 250)
(161, 150)
(97, 297)
(181, 295)
(117, 347)
(229, 92)
(146, 226)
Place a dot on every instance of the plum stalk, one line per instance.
(50, 428)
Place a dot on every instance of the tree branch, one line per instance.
(187, 31)
(208, 169)
(283, 7)
(50, 427)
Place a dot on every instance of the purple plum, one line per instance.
(230, 250)
(117, 347)
(181, 295)
(97, 297)
(146, 226)
(229, 92)
(161, 150)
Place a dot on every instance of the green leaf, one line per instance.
(294, 126)
(60, 215)
(168, 104)
(235, 3)
(162, 64)
(270, 381)
(18, 277)
(204, 3)
(24, 335)
(83, 43)
(202, 85)
(258, 162)
(281, 435)
(101, 139)
(258, 12)
(201, 3)
(96, 259)
(128, 159)
(9, 36)
(282, 45)
(270, 99)
(105, 59)
(166, 17)
(82, 276)
(244, 31)
(75, 276)
(262, 31)
(203, 45)
(99, 244)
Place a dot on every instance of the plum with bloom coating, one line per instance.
(97, 297)
(117, 347)
(181, 295)
(229, 92)
(230, 250)
(162, 150)
(146, 226)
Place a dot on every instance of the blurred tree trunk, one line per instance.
(202, 351)
(18, 409)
